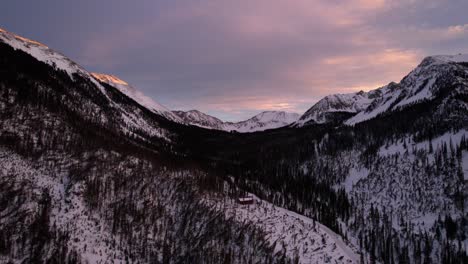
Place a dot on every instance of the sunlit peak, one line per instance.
(108, 78)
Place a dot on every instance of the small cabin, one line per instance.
(245, 200)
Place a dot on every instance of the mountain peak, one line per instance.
(23, 39)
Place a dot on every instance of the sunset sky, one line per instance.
(233, 59)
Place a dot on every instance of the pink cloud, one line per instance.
(266, 54)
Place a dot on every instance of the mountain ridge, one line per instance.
(419, 85)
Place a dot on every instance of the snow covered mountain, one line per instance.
(124, 116)
(435, 77)
(136, 95)
(263, 121)
(424, 83)
(197, 118)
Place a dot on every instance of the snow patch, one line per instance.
(465, 165)
(355, 175)
(437, 142)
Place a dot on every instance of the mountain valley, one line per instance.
(94, 171)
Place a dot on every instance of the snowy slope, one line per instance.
(136, 95)
(338, 103)
(300, 237)
(465, 165)
(448, 139)
(68, 209)
(408, 180)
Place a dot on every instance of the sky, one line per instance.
(233, 59)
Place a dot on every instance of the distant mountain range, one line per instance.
(263, 121)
